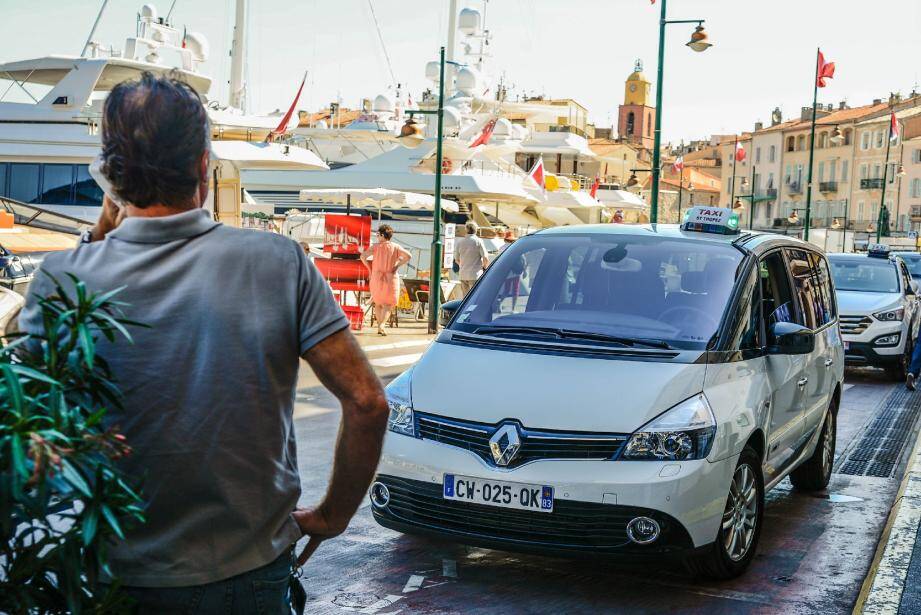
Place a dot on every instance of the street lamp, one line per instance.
(836, 137)
(901, 172)
(793, 218)
(632, 181)
(697, 43)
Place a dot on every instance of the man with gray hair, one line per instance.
(470, 254)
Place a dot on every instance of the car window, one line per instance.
(826, 295)
(864, 274)
(913, 262)
(667, 289)
(805, 286)
(776, 295)
(745, 329)
(906, 276)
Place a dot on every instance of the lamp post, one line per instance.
(883, 217)
(697, 43)
(435, 275)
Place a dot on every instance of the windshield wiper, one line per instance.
(573, 334)
(604, 337)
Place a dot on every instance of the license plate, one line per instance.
(521, 496)
(847, 346)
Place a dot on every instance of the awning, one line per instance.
(377, 198)
(266, 156)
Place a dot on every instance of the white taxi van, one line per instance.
(621, 390)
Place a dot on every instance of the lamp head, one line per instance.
(698, 40)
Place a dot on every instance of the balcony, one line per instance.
(874, 183)
(795, 188)
(770, 193)
(828, 186)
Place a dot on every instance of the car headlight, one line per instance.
(399, 400)
(685, 432)
(890, 315)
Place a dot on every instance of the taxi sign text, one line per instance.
(711, 220)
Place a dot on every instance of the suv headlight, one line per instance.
(399, 400)
(685, 432)
(890, 315)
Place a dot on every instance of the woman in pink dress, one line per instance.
(383, 260)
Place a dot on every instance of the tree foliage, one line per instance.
(62, 497)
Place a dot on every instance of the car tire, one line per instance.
(725, 558)
(899, 371)
(815, 472)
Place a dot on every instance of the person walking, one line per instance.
(384, 260)
(209, 385)
(470, 254)
(914, 368)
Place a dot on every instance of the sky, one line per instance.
(763, 53)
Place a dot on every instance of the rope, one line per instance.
(381, 38)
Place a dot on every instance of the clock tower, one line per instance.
(636, 117)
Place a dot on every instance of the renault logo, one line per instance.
(504, 444)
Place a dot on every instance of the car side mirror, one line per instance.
(448, 308)
(790, 338)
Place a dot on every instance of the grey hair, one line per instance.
(471, 227)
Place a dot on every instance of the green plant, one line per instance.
(62, 498)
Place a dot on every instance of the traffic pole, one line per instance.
(815, 96)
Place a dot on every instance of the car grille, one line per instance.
(535, 444)
(572, 524)
(854, 325)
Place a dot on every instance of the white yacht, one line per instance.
(48, 141)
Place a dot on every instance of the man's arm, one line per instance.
(341, 366)
(484, 256)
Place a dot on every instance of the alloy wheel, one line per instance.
(741, 514)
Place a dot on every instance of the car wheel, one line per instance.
(740, 527)
(815, 472)
(899, 371)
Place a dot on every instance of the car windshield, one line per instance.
(913, 261)
(603, 288)
(871, 275)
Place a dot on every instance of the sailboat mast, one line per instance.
(237, 94)
(452, 31)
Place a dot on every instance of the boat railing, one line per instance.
(491, 167)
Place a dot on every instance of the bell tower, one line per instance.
(636, 117)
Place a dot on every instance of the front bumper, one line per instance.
(866, 353)
(594, 501)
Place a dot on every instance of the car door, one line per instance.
(811, 286)
(911, 303)
(786, 374)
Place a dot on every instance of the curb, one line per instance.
(882, 589)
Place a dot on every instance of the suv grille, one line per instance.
(572, 524)
(854, 325)
(535, 445)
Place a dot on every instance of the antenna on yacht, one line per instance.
(89, 39)
(237, 94)
(452, 32)
(170, 12)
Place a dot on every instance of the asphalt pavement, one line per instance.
(814, 555)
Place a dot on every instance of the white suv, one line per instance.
(879, 309)
(620, 390)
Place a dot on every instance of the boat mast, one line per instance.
(452, 31)
(237, 94)
(89, 39)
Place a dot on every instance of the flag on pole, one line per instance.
(484, 136)
(678, 165)
(537, 173)
(282, 127)
(894, 130)
(594, 189)
(825, 70)
(740, 152)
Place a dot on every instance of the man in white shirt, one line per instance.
(470, 254)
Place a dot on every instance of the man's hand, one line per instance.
(342, 367)
(316, 527)
(111, 216)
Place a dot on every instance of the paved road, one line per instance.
(814, 552)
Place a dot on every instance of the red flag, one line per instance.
(483, 139)
(537, 173)
(740, 152)
(824, 70)
(894, 129)
(594, 189)
(282, 127)
(678, 165)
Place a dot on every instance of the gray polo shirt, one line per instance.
(209, 387)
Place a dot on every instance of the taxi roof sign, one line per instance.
(878, 250)
(703, 219)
